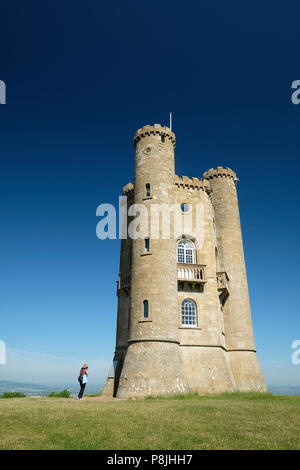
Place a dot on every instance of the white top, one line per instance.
(84, 379)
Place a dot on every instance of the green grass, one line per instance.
(227, 421)
(93, 394)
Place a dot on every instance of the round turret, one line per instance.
(153, 363)
(236, 311)
(220, 172)
(162, 132)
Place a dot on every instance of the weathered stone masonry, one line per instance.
(158, 353)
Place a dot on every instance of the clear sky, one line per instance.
(81, 77)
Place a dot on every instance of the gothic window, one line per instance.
(185, 252)
(188, 313)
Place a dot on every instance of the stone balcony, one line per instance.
(222, 280)
(124, 283)
(191, 277)
(223, 286)
(191, 272)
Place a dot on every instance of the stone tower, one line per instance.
(184, 320)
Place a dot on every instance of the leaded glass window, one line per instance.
(188, 313)
(185, 252)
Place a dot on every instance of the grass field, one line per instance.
(228, 421)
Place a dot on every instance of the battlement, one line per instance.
(128, 189)
(220, 172)
(156, 129)
(195, 183)
(179, 182)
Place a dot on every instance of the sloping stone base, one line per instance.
(207, 369)
(152, 368)
(246, 371)
(108, 390)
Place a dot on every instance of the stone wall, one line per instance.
(158, 355)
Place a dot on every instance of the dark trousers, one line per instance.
(82, 387)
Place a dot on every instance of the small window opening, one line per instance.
(147, 190)
(184, 207)
(146, 308)
(147, 244)
(162, 137)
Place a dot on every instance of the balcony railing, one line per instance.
(124, 281)
(185, 272)
(222, 280)
(191, 272)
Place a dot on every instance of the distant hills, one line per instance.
(284, 390)
(42, 390)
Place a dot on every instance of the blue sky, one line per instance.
(81, 78)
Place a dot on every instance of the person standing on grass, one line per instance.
(82, 379)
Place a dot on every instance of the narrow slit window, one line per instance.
(147, 190)
(147, 244)
(146, 309)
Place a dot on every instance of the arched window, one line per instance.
(185, 252)
(146, 308)
(147, 190)
(188, 313)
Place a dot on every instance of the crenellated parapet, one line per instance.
(128, 189)
(180, 182)
(193, 183)
(156, 129)
(220, 172)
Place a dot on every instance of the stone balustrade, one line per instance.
(191, 272)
